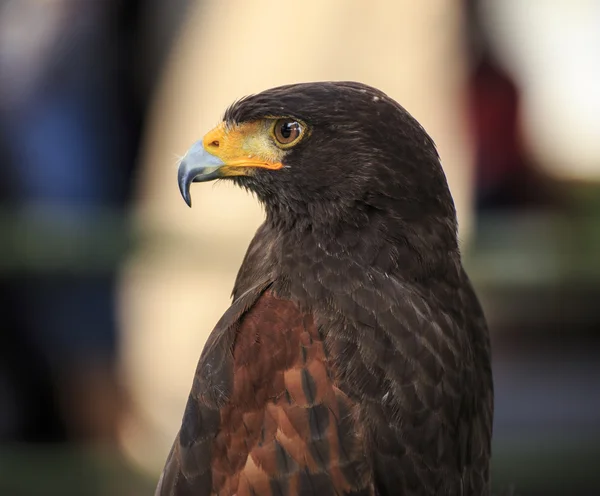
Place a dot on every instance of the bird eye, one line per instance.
(287, 131)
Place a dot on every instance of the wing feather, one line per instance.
(278, 425)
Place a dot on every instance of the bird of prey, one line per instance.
(355, 357)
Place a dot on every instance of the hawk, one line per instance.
(355, 357)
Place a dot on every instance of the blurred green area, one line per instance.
(549, 467)
(29, 471)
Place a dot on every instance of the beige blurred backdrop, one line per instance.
(177, 283)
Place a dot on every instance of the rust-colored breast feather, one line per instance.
(286, 429)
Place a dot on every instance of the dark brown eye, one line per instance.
(287, 131)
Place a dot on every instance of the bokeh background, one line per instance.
(109, 284)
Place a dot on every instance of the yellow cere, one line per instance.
(244, 146)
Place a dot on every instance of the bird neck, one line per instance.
(295, 256)
(371, 238)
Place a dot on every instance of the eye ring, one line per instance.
(287, 132)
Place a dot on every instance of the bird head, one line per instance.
(325, 153)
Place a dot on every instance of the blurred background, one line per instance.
(109, 284)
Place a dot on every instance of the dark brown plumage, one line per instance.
(355, 357)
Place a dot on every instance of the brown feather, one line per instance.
(281, 421)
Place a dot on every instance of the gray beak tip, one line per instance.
(184, 181)
(197, 166)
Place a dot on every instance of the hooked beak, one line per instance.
(197, 166)
(224, 153)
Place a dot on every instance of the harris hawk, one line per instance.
(355, 357)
